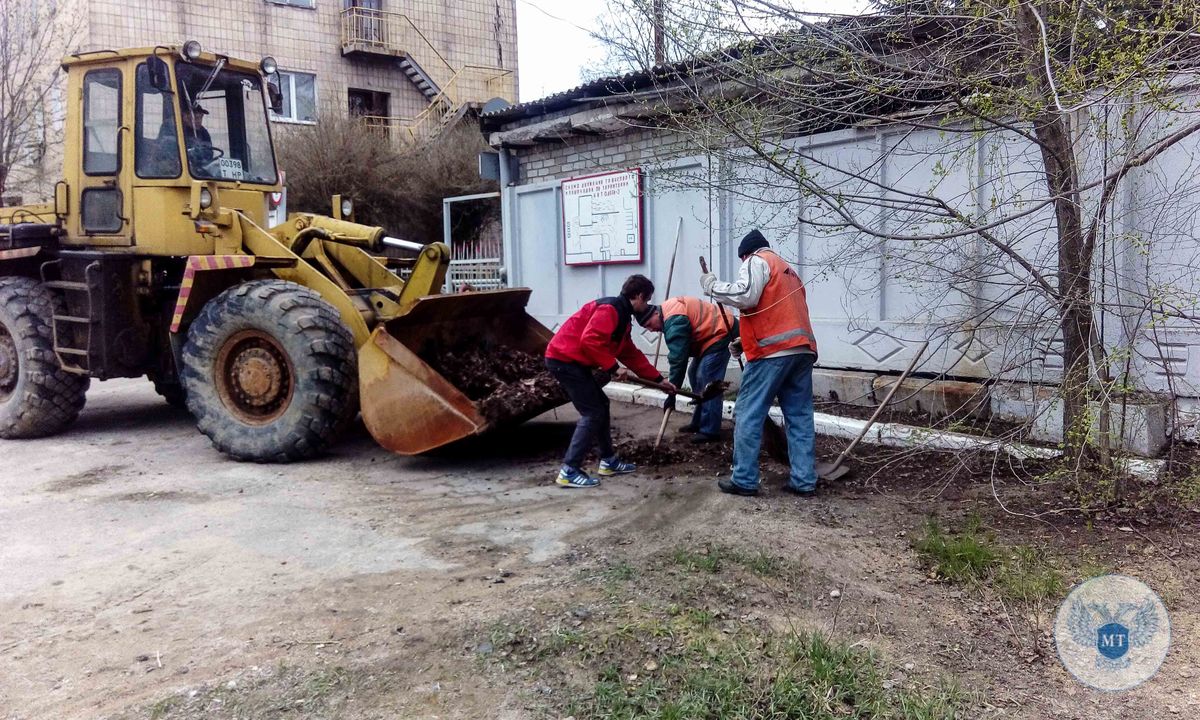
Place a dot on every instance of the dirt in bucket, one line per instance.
(506, 382)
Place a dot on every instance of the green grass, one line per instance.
(163, 708)
(669, 651)
(761, 564)
(709, 560)
(1187, 491)
(967, 557)
(714, 558)
(973, 558)
(756, 677)
(619, 572)
(1028, 577)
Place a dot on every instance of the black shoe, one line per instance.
(727, 486)
(701, 439)
(689, 429)
(800, 493)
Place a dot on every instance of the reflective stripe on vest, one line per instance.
(705, 319)
(780, 320)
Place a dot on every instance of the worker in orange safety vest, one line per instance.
(698, 331)
(777, 338)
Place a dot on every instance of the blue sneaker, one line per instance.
(613, 466)
(575, 478)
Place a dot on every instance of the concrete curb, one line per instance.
(888, 434)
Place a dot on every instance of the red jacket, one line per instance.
(598, 335)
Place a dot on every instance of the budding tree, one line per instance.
(636, 35)
(34, 37)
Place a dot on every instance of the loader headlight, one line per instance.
(191, 50)
(205, 198)
(347, 208)
(268, 65)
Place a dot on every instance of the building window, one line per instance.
(371, 107)
(299, 97)
(368, 103)
(295, 3)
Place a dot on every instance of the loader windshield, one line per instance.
(224, 123)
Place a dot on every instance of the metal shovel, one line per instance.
(836, 470)
(714, 389)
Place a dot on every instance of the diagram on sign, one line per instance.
(602, 218)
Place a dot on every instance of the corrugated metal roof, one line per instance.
(599, 88)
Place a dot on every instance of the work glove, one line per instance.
(669, 403)
(707, 280)
(735, 347)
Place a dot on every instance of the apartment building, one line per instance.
(408, 66)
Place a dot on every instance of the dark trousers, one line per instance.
(589, 399)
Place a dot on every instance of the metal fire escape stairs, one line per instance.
(446, 113)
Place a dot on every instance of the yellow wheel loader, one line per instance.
(154, 259)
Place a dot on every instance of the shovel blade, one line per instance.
(775, 442)
(831, 471)
(716, 388)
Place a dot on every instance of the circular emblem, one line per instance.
(1112, 633)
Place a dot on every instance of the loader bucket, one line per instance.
(452, 367)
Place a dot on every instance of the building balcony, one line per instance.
(367, 32)
(375, 32)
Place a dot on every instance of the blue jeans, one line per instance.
(702, 371)
(790, 379)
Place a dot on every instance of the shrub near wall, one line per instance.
(398, 187)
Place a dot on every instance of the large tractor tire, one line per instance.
(37, 397)
(270, 372)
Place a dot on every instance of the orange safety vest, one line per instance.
(707, 327)
(780, 320)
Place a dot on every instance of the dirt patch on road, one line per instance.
(160, 496)
(87, 478)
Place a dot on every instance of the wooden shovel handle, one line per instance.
(879, 410)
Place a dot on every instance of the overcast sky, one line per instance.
(553, 40)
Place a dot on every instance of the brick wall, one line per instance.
(583, 155)
(464, 32)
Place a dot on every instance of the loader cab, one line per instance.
(153, 126)
(225, 132)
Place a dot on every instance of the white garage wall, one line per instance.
(874, 301)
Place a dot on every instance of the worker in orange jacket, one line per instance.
(777, 337)
(698, 331)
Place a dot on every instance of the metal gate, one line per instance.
(477, 261)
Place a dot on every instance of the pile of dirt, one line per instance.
(506, 382)
(677, 450)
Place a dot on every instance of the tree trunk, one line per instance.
(1053, 131)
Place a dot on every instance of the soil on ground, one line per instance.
(146, 576)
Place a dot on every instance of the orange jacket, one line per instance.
(780, 320)
(704, 318)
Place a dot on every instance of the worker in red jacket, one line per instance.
(598, 337)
